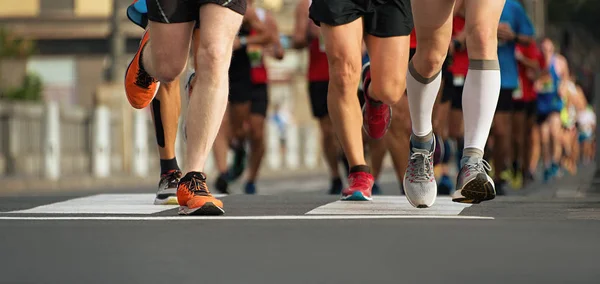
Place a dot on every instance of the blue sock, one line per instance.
(422, 142)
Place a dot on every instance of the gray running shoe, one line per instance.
(419, 181)
(473, 184)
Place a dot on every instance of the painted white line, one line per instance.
(187, 218)
(140, 203)
(390, 205)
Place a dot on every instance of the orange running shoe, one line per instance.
(195, 199)
(140, 87)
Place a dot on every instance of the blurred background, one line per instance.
(63, 112)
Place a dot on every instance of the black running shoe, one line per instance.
(336, 186)
(239, 163)
(222, 184)
(167, 188)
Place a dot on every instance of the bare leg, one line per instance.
(211, 84)
(343, 45)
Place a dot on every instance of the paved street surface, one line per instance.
(294, 233)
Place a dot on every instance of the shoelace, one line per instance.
(198, 185)
(172, 178)
(481, 166)
(143, 79)
(359, 182)
(422, 160)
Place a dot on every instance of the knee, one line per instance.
(388, 90)
(213, 58)
(482, 40)
(344, 73)
(430, 62)
(168, 73)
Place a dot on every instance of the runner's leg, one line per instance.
(218, 27)
(480, 97)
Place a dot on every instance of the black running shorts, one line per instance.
(318, 98)
(240, 91)
(260, 99)
(529, 108)
(182, 11)
(505, 101)
(382, 18)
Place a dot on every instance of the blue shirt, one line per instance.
(514, 15)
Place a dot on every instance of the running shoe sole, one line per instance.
(356, 196)
(169, 200)
(208, 208)
(475, 191)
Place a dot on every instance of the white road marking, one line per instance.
(140, 203)
(390, 205)
(187, 218)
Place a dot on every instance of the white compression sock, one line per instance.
(421, 93)
(480, 97)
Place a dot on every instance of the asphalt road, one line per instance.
(294, 233)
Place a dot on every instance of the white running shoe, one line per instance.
(419, 182)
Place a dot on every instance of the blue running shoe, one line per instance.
(250, 188)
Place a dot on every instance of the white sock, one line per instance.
(421, 93)
(480, 97)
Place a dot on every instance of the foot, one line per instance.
(376, 189)
(419, 181)
(194, 198)
(377, 116)
(359, 188)
(239, 162)
(445, 185)
(473, 184)
(140, 87)
(336, 186)
(222, 184)
(167, 188)
(250, 188)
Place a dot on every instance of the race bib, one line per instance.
(458, 81)
(255, 56)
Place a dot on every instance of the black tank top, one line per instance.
(239, 70)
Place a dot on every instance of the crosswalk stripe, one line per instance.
(389, 205)
(140, 203)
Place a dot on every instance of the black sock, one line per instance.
(360, 168)
(168, 165)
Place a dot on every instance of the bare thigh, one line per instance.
(433, 24)
(389, 62)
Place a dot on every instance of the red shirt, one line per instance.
(527, 78)
(460, 58)
(318, 67)
(413, 39)
(258, 72)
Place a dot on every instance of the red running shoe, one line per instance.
(377, 116)
(360, 186)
